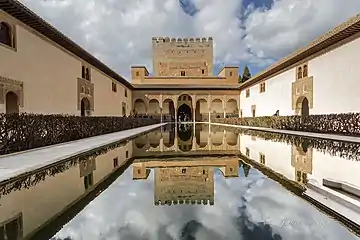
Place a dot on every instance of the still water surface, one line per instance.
(184, 183)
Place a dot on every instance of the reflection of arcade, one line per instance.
(185, 181)
(301, 160)
(187, 137)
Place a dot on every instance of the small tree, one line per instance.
(246, 74)
(240, 79)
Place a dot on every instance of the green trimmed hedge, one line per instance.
(19, 132)
(345, 123)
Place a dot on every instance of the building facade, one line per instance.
(321, 78)
(182, 86)
(43, 71)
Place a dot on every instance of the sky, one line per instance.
(256, 33)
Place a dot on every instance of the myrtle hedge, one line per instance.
(346, 150)
(19, 132)
(345, 124)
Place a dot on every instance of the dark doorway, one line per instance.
(85, 107)
(185, 132)
(12, 105)
(184, 113)
(304, 108)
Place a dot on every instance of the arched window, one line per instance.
(5, 34)
(299, 75)
(305, 71)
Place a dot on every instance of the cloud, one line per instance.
(245, 208)
(291, 24)
(119, 32)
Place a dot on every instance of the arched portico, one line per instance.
(192, 106)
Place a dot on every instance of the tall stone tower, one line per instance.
(182, 56)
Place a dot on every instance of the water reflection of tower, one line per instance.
(184, 185)
(301, 160)
(185, 181)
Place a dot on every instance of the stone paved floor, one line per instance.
(298, 133)
(15, 164)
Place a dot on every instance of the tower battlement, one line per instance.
(188, 56)
(190, 39)
(184, 201)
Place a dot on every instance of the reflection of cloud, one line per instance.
(242, 206)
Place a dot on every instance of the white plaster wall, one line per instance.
(326, 166)
(277, 96)
(336, 86)
(277, 155)
(337, 80)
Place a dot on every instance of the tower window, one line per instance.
(299, 75)
(305, 71)
(114, 87)
(183, 170)
(182, 73)
(202, 71)
(5, 34)
(230, 74)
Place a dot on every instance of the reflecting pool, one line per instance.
(178, 182)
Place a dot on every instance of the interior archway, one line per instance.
(201, 111)
(232, 108)
(85, 107)
(139, 107)
(217, 110)
(304, 108)
(12, 105)
(154, 107)
(184, 113)
(168, 110)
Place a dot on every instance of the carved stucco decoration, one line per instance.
(300, 160)
(300, 89)
(10, 85)
(85, 89)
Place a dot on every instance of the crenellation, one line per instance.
(188, 56)
(179, 39)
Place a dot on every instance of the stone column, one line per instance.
(161, 108)
(209, 106)
(175, 107)
(224, 106)
(161, 115)
(193, 97)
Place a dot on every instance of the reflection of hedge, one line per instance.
(33, 179)
(27, 131)
(346, 124)
(345, 150)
